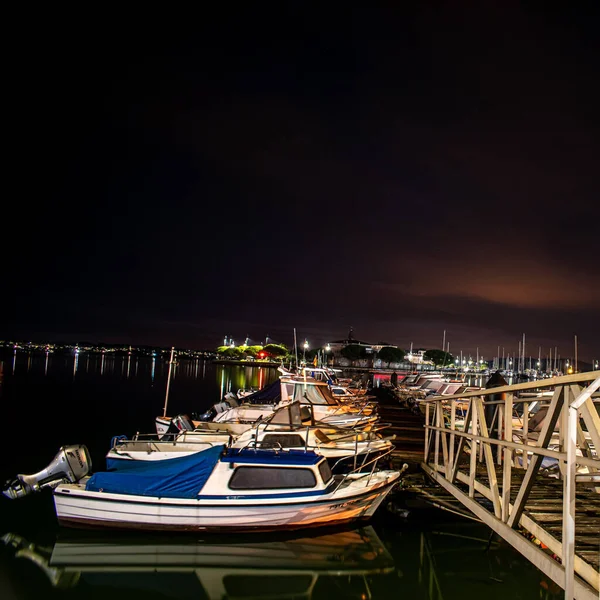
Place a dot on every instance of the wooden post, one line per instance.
(501, 427)
(473, 463)
(427, 432)
(568, 525)
(436, 455)
(507, 466)
(525, 457)
(444, 440)
(452, 436)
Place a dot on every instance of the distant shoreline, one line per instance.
(246, 363)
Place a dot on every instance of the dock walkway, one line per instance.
(501, 474)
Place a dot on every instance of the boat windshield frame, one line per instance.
(314, 394)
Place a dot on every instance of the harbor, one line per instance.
(417, 504)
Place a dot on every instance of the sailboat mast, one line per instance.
(168, 381)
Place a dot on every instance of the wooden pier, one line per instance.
(498, 472)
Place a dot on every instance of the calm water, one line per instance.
(49, 403)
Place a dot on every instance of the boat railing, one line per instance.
(150, 439)
(124, 447)
(357, 469)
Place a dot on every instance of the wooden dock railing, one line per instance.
(535, 481)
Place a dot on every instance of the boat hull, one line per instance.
(77, 507)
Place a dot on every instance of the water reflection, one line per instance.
(342, 564)
(153, 368)
(46, 363)
(450, 560)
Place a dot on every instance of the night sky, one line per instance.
(399, 170)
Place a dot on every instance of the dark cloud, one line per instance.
(403, 170)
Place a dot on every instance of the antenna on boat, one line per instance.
(168, 381)
(296, 348)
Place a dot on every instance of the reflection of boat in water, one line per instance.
(333, 565)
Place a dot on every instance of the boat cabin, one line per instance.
(251, 472)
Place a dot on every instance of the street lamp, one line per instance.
(327, 351)
(305, 349)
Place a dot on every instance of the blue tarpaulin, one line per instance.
(181, 477)
(270, 394)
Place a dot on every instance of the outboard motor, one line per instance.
(178, 424)
(69, 465)
(183, 423)
(209, 415)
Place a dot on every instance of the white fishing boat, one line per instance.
(285, 428)
(324, 408)
(218, 489)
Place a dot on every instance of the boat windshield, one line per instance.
(314, 394)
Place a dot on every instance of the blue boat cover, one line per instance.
(270, 394)
(271, 457)
(181, 477)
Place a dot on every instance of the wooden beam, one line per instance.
(489, 460)
(461, 442)
(444, 440)
(536, 459)
(535, 385)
